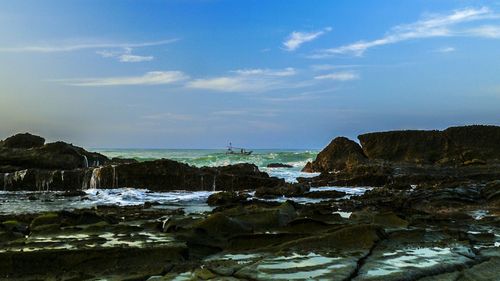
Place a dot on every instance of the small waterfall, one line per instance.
(202, 187)
(44, 180)
(10, 178)
(85, 161)
(86, 178)
(95, 179)
(213, 185)
(19, 175)
(62, 177)
(115, 176)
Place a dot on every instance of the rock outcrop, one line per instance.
(340, 154)
(279, 165)
(158, 175)
(455, 145)
(459, 153)
(26, 163)
(26, 151)
(25, 140)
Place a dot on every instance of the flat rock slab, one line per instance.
(285, 266)
(98, 262)
(402, 257)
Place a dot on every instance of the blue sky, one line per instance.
(262, 74)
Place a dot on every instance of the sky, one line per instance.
(259, 74)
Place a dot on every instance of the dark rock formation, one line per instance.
(410, 157)
(25, 151)
(288, 190)
(279, 165)
(160, 175)
(226, 198)
(454, 145)
(340, 154)
(171, 175)
(27, 164)
(25, 140)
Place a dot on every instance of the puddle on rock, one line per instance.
(411, 260)
(311, 266)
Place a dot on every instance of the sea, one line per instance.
(189, 201)
(216, 157)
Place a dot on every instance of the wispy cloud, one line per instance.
(134, 58)
(486, 31)
(168, 116)
(69, 47)
(339, 76)
(150, 78)
(445, 50)
(246, 80)
(297, 38)
(428, 27)
(289, 71)
(323, 67)
(124, 55)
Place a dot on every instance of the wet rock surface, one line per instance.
(425, 232)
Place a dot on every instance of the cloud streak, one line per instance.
(428, 27)
(71, 47)
(297, 38)
(150, 78)
(339, 76)
(445, 50)
(124, 56)
(246, 80)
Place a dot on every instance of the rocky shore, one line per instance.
(27, 163)
(410, 157)
(430, 212)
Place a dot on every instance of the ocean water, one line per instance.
(214, 157)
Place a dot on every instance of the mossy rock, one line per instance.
(5, 236)
(390, 220)
(46, 228)
(247, 242)
(262, 219)
(14, 226)
(220, 225)
(358, 237)
(49, 218)
(100, 226)
(10, 224)
(204, 274)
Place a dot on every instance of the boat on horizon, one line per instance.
(231, 150)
